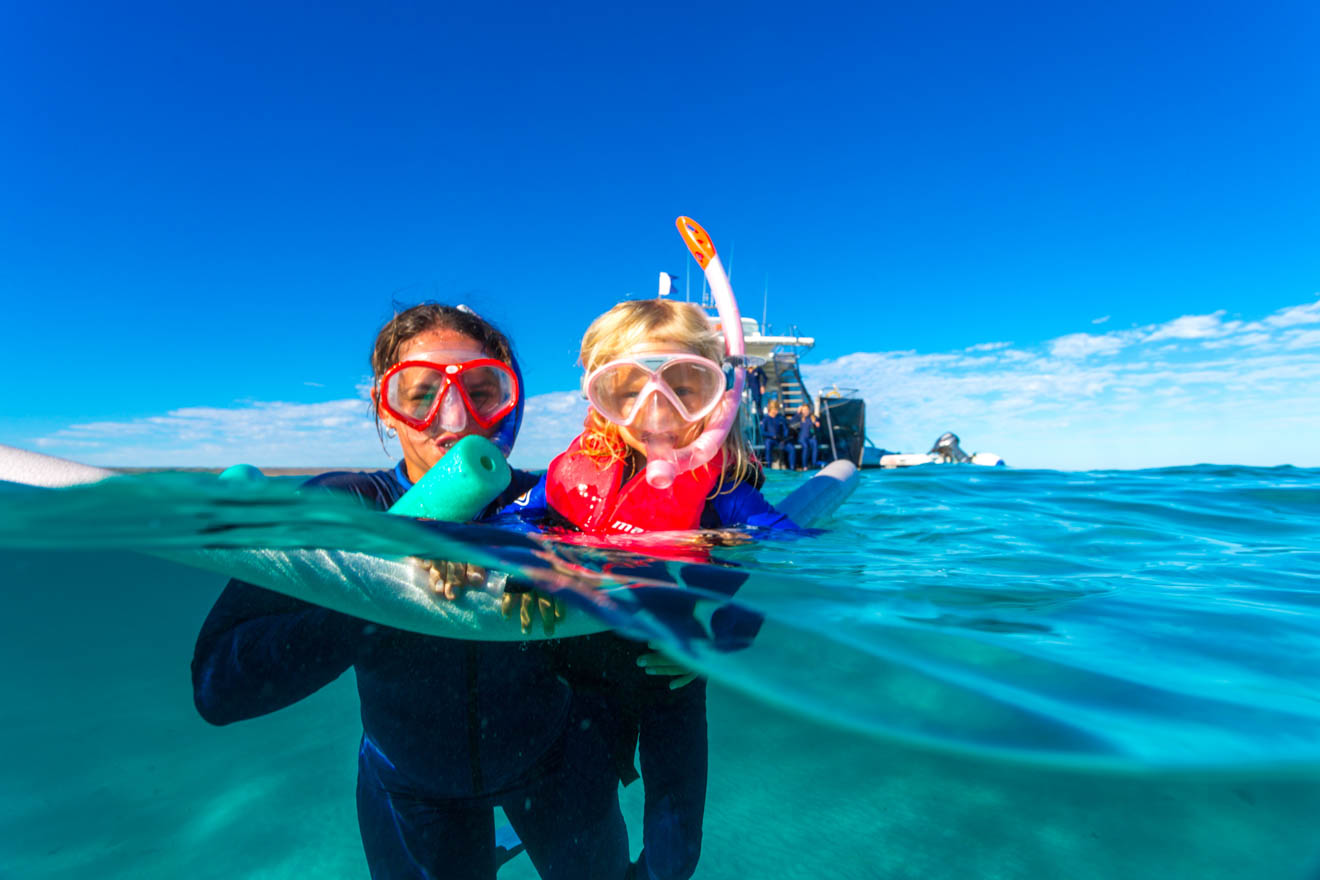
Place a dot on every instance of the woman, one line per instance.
(655, 377)
(774, 430)
(451, 729)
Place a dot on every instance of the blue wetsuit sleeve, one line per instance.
(744, 505)
(259, 651)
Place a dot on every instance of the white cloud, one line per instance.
(1083, 345)
(335, 433)
(271, 433)
(1298, 339)
(1101, 320)
(1222, 391)
(1193, 327)
(1303, 314)
(1215, 390)
(550, 422)
(1241, 340)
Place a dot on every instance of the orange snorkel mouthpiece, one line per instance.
(703, 249)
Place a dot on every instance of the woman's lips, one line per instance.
(444, 441)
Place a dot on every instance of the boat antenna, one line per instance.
(765, 302)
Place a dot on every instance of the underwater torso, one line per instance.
(441, 718)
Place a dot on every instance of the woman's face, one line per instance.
(422, 449)
(659, 422)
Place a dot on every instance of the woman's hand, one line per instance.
(450, 579)
(551, 611)
(659, 663)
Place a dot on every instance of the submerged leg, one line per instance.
(673, 749)
(410, 838)
(569, 818)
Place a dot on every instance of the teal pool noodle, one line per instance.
(242, 473)
(460, 485)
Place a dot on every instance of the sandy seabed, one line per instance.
(109, 773)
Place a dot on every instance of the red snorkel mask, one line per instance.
(448, 387)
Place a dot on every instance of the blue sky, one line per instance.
(1080, 236)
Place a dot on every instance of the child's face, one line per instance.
(659, 424)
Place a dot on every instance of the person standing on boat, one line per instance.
(451, 729)
(756, 386)
(774, 431)
(803, 430)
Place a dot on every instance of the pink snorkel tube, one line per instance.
(661, 471)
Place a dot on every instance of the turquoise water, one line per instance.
(975, 673)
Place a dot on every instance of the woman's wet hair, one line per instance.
(431, 316)
(632, 323)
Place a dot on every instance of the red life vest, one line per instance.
(591, 496)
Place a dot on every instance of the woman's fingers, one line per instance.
(525, 611)
(531, 605)
(450, 579)
(455, 576)
(547, 608)
(658, 664)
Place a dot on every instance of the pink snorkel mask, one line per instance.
(694, 387)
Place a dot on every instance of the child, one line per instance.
(656, 379)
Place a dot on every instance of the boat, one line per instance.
(946, 450)
(841, 433)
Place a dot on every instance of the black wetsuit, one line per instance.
(451, 728)
(774, 430)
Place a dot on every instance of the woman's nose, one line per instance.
(452, 416)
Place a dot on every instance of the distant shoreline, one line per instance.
(268, 471)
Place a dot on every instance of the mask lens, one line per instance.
(488, 389)
(695, 386)
(614, 391)
(413, 390)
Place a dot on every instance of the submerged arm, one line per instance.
(259, 651)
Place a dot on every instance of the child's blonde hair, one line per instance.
(656, 320)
